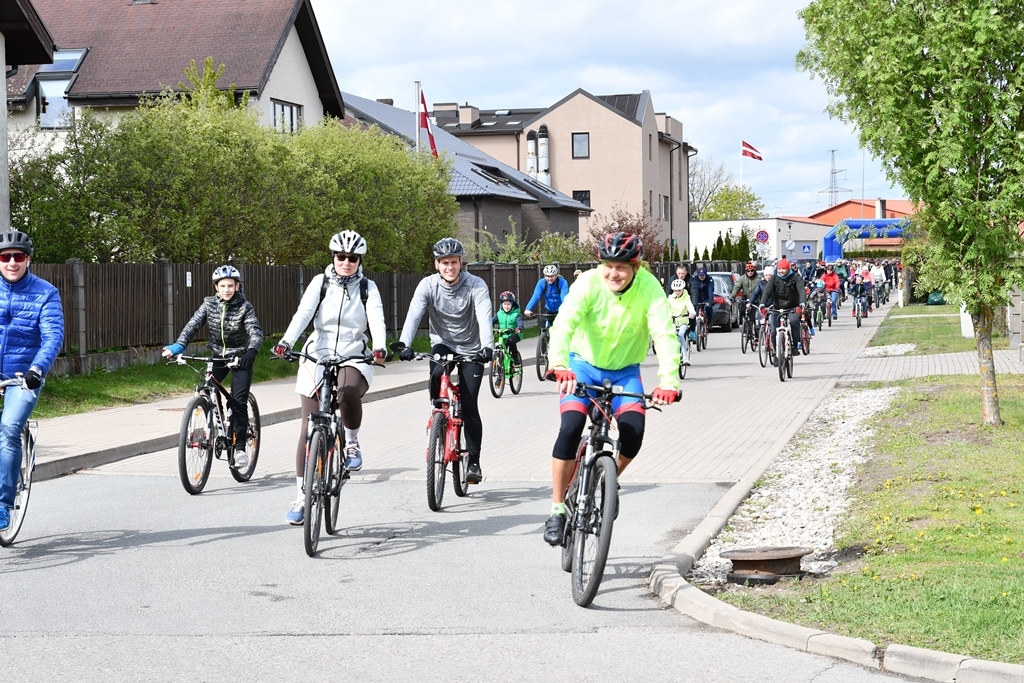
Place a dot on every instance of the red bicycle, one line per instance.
(446, 443)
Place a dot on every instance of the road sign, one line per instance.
(790, 246)
(762, 236)
(806, 249)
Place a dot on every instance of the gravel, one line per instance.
(890, 350)
(803, 494)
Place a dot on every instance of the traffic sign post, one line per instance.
(762, 236)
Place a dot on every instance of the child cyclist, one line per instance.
(681, 306)
(602, 332)
(510, 324)
(234, 331)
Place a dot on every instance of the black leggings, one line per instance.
(351, 388)
(239, 402)
(511, 341)
(631, 434)
(470, 377)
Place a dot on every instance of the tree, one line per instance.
(638, 223)
(718, 251)
(934, 89)
(743, 245)
(696, 256)
(732, 203)
(707, 176)
(705, 257)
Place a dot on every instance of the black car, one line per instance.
(726, 312)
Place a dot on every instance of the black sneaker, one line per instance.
(554, 528)
(473, 473)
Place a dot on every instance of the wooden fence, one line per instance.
(113, 307)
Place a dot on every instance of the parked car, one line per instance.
(725, 312)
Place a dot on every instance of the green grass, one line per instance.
(935, 531)
(921, 309)
(931, 334)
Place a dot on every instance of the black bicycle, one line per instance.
(206, 427)
(542, 343)
(325, 472)
(592, 499)
(23, 487)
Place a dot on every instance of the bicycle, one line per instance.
(783, 347)
(446, 442)
(858, 308)
(591, 500)
(325, 473)
(502, 368)
(206, 425)
(542, 343)
(819, 314)
(23, 487)
(700, 332)
(765, 352)
(747, 337)
(680, 321)
(828, 308)
(805, 335)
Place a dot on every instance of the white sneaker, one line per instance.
(241, 459)
(686, 361)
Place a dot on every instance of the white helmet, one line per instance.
(348, 242)
(550, 270)
(769, 271)
(678, 285)
(227, 270)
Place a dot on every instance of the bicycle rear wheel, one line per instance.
(22, 489)
(313, 483)
(252, 443)
(334, 475)
(542, 355)
(461, 466)
(805, 337)
(497, 374)
(435, 461)
(789, 366)
(593, 534)
(195, 444)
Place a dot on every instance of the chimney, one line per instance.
(468, 115)
(387, 100)
(879, 208)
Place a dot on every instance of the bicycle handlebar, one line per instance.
(229, 361)
(293, 356)
(608, 390)
(18, 379)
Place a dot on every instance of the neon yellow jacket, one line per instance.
(612, 331)
(681, 307)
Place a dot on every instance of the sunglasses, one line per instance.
(351, 258)
(16, 256)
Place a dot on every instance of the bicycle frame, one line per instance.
(215, 391)
(447, 403)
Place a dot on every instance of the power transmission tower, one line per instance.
(833, 186)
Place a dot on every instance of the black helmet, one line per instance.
(449, 246)
(13, 239)
(507, 296)
(624, 247)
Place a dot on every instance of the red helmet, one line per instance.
(623, 247)
(751, 266)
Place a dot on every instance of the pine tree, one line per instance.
(729, 249)
(696, 256)
(743, 247)
(718, 253)
(675, 252)
(706, 257)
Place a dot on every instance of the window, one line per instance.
(581, 145)
(664, 201)
(650, 146)
(287, 116)
(582, 196)
(52, 103)
(650, 203)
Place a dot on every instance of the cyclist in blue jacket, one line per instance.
(31, 334)
(553, 288)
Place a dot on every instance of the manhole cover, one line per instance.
(764, 565)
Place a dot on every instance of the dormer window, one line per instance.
(54, 79)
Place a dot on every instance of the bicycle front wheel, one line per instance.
(763, 350)
(314, 484)
(780, 355)
(435, 461)
(22, 489)
(252, 443)
(335, 478)
(515, 380)
(698, 331)
(497, 374)
(744, 338)
(593, 534)
(858, 314)
(195, 444)
(542, 356)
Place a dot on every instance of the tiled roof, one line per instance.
(143, 47)
(491, 121)
(474, 173)
(627, 104)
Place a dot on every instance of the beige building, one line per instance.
(607, 152)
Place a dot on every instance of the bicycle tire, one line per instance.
(515, 382)
(542, 355)
(460, 468)
(743, 338)
(252, 443)
(698, 328)
(195, 445)
(496, 377)
(22, 489)
(335, 477)
(819, 318)
(858, 314)
(682, 369)
(704, 334)
(313, 484)
(789, 366)
(763, 349)
(829, 312)
(780, 354)
(435, 461)
(593, 536)
(806, 339)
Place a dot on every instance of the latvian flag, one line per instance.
(425, 123)
(747, 150)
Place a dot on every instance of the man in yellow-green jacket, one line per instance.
(602, 332)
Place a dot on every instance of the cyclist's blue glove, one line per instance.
(174, 350)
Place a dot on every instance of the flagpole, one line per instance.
(416, 121)
(741, 165)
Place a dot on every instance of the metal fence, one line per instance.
(114, 306)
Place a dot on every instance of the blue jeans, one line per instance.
(18, 406)
(835, 303)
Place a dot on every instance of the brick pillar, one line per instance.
(78, 338)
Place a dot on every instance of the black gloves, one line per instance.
(32, 380)
(406, 354)
(247, 359)
(484, 355)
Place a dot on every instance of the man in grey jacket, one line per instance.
(458, 307)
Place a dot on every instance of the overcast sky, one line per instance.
(726, 71)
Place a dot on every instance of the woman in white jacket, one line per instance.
(339, 320)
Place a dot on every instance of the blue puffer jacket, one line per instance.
(31, 325)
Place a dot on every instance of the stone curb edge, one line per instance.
(60, 467)
(667, 583)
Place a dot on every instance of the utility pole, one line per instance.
(833, 186)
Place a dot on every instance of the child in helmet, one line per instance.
(510, 324)
(680, 304)
(234, 331)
